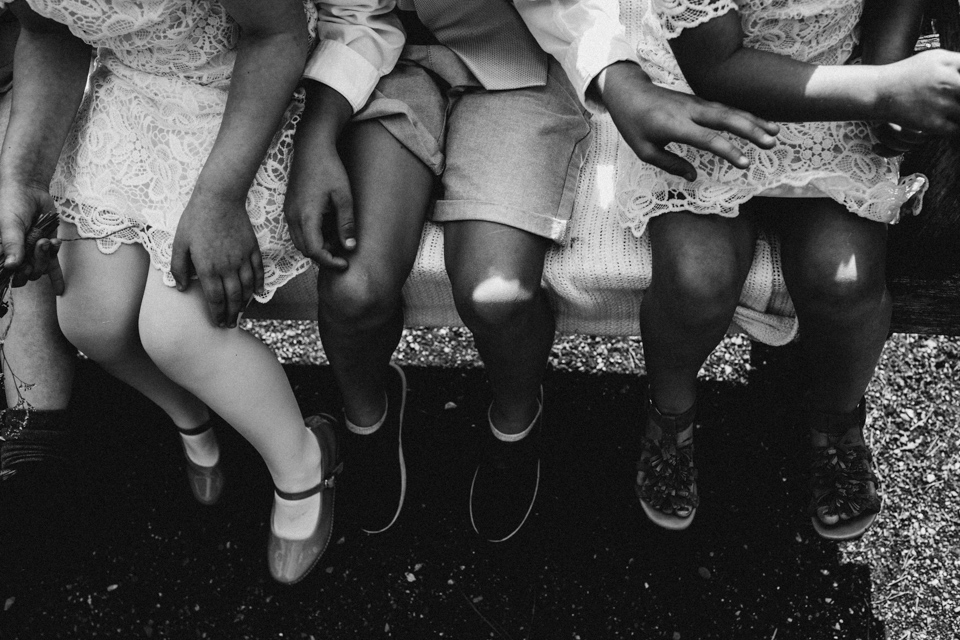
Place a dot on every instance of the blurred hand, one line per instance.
(650, 117)
(922, 92)
(893, 140)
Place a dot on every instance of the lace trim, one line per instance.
(678, 15)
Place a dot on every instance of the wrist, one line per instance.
(325, 115)
(615, 79)
(881, 97)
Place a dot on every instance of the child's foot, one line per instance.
(506, 481)
(666, 475)
(377, 472)
(301, 522)
(202, 453)
(844, 501)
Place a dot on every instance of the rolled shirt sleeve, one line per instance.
(585, 36)
(360, 42)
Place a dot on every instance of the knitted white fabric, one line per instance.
(149, 122)
(596, 280)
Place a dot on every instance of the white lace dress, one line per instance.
(816, 159)
(149, 121)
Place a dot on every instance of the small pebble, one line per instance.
(704, 573)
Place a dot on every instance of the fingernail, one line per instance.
(179, 287)
(690, 177)
(222, 325)
(350, 243)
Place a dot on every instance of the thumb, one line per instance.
(180, 265)
(12, 236)
(346, 225)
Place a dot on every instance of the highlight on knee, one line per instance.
(841, 281)
(700, 293)
(355, 299)
(494, 301)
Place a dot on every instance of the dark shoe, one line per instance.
(291, 560)
(666, 476)
(377, 471)
(844, 502)
(505, 482)
(206, 483)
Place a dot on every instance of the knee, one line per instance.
(700, 293)
(166, 341)
(103, 340)
(840, 284)
(356, 299)
(494, 301)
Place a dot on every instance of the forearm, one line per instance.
(889, 29)
(326, 114)
(785, 90)
(49, 78)
(267, 70)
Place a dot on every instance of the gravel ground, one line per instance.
(132, 557)
(914, 402)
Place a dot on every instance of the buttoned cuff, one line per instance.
(585, 62)
(343, 69)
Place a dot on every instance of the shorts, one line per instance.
(511, 157)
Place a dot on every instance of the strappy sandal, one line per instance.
(291, 560)
(666, 476)
(841, 475)
(206, 483)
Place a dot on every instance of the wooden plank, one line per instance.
(926, 305)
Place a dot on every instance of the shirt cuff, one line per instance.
(343, 69)
(585, 62)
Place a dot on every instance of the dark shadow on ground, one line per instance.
(131, 556)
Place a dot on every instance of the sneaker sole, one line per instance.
(403, 464)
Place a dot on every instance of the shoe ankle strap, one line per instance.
(196, 431)
(835, 424)
(671, 423)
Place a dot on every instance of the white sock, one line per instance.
(203, 448)
(366, 431)
(295, 519)
(513, 437)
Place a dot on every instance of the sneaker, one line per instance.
(377, 477)
(505, 483)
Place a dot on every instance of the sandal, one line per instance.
(843, 480)
(666, 476)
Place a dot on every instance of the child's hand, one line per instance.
(318, 187)
(893, 140)
(20, 207)
(922, 92)
(217, 238)
(650, 117)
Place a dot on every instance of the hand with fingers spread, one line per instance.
(27, 257)
(216, 239)
(649, 117)
(319, 187)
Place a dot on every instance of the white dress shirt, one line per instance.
(360, 42)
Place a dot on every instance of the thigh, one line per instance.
(514, 157)
(823, 243)
(392, 191)
(102, 292)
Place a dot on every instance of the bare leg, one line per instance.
(700, 263)
(834, 266)
(360, 309)
(36, 355)
(496, 274)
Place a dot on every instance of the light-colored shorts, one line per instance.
(511, 157)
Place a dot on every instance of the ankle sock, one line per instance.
(202, 448)
(366, 431)
(34, 436)
(295, 519)
(513, 437)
